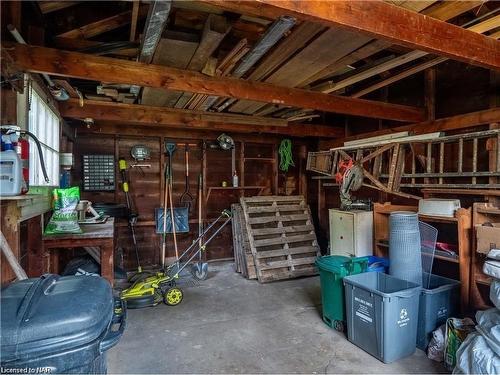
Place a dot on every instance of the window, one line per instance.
(45, 125)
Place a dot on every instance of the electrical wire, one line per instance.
(286, 157)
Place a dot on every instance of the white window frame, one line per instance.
(45, 123)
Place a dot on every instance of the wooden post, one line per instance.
(430, 93)
(494, 146)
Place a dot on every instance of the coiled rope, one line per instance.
(286, 157)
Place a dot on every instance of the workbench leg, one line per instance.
(107, 267)
(53, 261)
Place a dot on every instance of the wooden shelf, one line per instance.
(446, 259)
(436, 256)
(462, 224)
(481, 213)
(483, 192)
(270, 160)
(438, 219)
(482, 279)
(238, 188)
(488, 211)
(235, 188)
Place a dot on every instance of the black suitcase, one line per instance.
(55, 324)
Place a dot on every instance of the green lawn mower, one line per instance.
(161, 286)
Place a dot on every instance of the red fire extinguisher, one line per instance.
(23, 149)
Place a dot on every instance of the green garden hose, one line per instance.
(286, 157)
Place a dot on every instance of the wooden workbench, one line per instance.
(93, 235)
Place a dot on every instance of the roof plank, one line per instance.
(385, 21)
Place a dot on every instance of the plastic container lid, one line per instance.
(332, 263)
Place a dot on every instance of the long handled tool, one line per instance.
(186, 197)
(162, 286)
(199, 270)
(165, 204)
(172, 220)
(132, 217)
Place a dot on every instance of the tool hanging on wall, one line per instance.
(167, 200)
(199, 270)
(140, 153)
(186, 197)
(132, 216)
(162, 286)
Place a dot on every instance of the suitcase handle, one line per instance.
(119, 317)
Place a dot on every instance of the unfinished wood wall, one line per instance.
(460, 88)
(146, 187)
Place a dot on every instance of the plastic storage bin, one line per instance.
(438, 302)
(382, 314)
(62, 324)
(332, 269)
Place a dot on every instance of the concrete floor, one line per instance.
(228, 324)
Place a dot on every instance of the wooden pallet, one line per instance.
(243, 257)
(281, 236)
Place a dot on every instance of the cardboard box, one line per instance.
(488, 238)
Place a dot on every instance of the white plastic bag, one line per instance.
(435, 350)
(479, 353)
(495, 293)
(492, 268)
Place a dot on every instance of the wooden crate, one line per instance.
(243, 256)
(281, 236)
(321, 162)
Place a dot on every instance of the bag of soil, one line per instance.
(65, 217)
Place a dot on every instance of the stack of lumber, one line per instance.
(243, 257)
(281, 236)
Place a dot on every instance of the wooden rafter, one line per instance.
(77, 65)
(446, 10)
(385, 21)
(104, 25)
(481, 27)
(186, 119)
(53, 6)
(133, 20)
(397, 77)
(331, 86)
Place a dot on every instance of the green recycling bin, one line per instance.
(332, 269)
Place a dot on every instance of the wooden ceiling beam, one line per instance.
(443, 11)
(384, 21)
(162, 117)
(77, 65)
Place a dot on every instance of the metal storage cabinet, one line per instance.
(351, 233)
